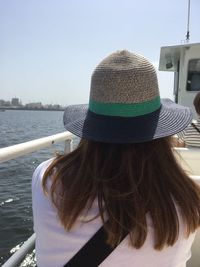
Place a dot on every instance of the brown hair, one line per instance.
(129, 181)
(196, 103)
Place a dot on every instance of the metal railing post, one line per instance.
(68, 146)
(20, 254)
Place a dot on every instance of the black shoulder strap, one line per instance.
(195, 127)
(93, 252)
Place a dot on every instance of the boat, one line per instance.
(184, 61)
(2, 110)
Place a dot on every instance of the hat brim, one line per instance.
(170, 119)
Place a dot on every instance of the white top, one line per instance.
(190, 135)
(55, 246)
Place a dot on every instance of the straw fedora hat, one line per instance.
(125, 105)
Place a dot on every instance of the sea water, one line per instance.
(15, 175)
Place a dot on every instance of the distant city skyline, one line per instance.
(49, 48)
(16, 102)
(29, 101)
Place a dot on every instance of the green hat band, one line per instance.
(125, 110)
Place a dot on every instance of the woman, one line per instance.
(123, 175)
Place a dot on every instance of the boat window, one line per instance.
(193, 78)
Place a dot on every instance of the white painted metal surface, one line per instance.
(18, 150)
(189, 159)
(176, 58)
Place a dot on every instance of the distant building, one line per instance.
(50, 106)
(36, 105)
(4, 103)
(7, 104)
(56, 106)
(15, 102)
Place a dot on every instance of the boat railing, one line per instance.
(22, 149)
(18, 150)
(21, 253)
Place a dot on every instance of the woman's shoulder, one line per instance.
(43, 166)
(40, 170)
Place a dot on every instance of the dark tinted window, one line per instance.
(193, 79)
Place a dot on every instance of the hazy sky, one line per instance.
(49, 48)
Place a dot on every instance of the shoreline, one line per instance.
(32, 109)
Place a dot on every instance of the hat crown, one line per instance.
(120, 60)
(124, 78)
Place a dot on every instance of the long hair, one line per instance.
(129, 181)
